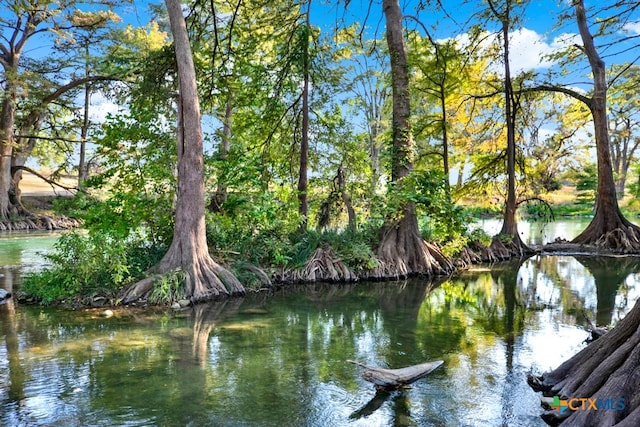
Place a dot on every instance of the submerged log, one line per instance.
(396, 378)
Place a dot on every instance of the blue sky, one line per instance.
(535, 36)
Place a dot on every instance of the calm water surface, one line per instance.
(281, 359)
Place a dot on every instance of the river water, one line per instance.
(281, 359)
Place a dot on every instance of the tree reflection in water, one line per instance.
(609, 274)
(283, 355)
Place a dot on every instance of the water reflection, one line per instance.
(26, 249)
(281, 359)
(539, 232)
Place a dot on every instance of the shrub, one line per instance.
(88, 264)
(170, 287)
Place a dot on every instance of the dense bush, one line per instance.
(84, 265)
(268, 236)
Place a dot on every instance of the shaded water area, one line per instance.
(281, 359)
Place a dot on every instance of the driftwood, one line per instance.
(385, 379)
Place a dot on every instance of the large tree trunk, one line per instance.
(402, 251)
(6, 149)
(609, 228)
(608, 368)
(205, 279)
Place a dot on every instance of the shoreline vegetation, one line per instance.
(93, 271)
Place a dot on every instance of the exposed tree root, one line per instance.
(608, 368)
(623, 240)
(204, 279)
(324, 266)
(41, 222)
(503, 248)
(260, 277)
(620, 241)
(140, 289)
(476, 253)
(609, 229)
(403, 252)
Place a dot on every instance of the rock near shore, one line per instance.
(4, 295)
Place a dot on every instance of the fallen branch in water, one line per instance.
(396, 378)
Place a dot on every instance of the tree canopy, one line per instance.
(312, 118)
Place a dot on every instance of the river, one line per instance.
(280, 359)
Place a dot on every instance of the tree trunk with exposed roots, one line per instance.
(402, 250)
(204, 278)
(608, 368)
(609, 228)
(508, 243)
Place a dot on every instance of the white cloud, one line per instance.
(101, 107)
(566, 39)
(632, 27)
(528, 49)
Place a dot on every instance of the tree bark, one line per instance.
(205, 279)
(607, 218)
(402, 159)
(303, 182)
(608, 368)
(6, 147)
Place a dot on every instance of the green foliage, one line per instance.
(137, 153)
(480, 236)
(76, 206)
(583, 208)
(255, 226)
(353, 247)
(170, 287)
(490, 211)
(586, 180)
(504, 238)
(634, 187)
(264, 231)
(538, 210)
(86, 265)
(454, 245)
(440, 218)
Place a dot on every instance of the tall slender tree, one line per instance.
(204, 278)
(508, 241)
(303, 181)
